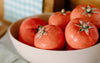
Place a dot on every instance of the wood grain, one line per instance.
(53, 5)
(2, 13)
(3, 29)
(1, 8)
(48, 6)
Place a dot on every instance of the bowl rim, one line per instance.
(9, 32)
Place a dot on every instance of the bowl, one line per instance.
(35, 55)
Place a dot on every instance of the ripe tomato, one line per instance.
(74, 3)
(60, 19)
(81, 34)
(28, 29)
(88, 12)
(69, 48)
(50, 37)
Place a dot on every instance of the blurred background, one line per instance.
(13, 10)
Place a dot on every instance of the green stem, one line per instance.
(38, 28)
(84, 26)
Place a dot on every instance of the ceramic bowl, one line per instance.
(35, 55)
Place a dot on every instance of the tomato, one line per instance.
(74, 3)
(81, 34)
(28, 29)
(60, 19)
(69, 48)
(87, 12)
(50, 37)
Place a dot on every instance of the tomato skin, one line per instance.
(60, 19)
(53, 40)
(27, 30)
(80, 40)
(78, 12)
(69, 48)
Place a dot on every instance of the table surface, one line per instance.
(5, 40)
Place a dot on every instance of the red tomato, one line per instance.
(81, 34)
(28, 29)
(60, 19)
(69, 48)
(88, 12)
(50, 37)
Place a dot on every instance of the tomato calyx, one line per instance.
(38, 28)
(63, 12)
(84, 26)
(42, 31)
(88, 10)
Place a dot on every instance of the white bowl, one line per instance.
(35, 55)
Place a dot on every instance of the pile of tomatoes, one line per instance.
(65, 30)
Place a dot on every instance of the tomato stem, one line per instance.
(38, 28)
(63, 12)
(42, 31)
(84, 26)
(88, 10)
